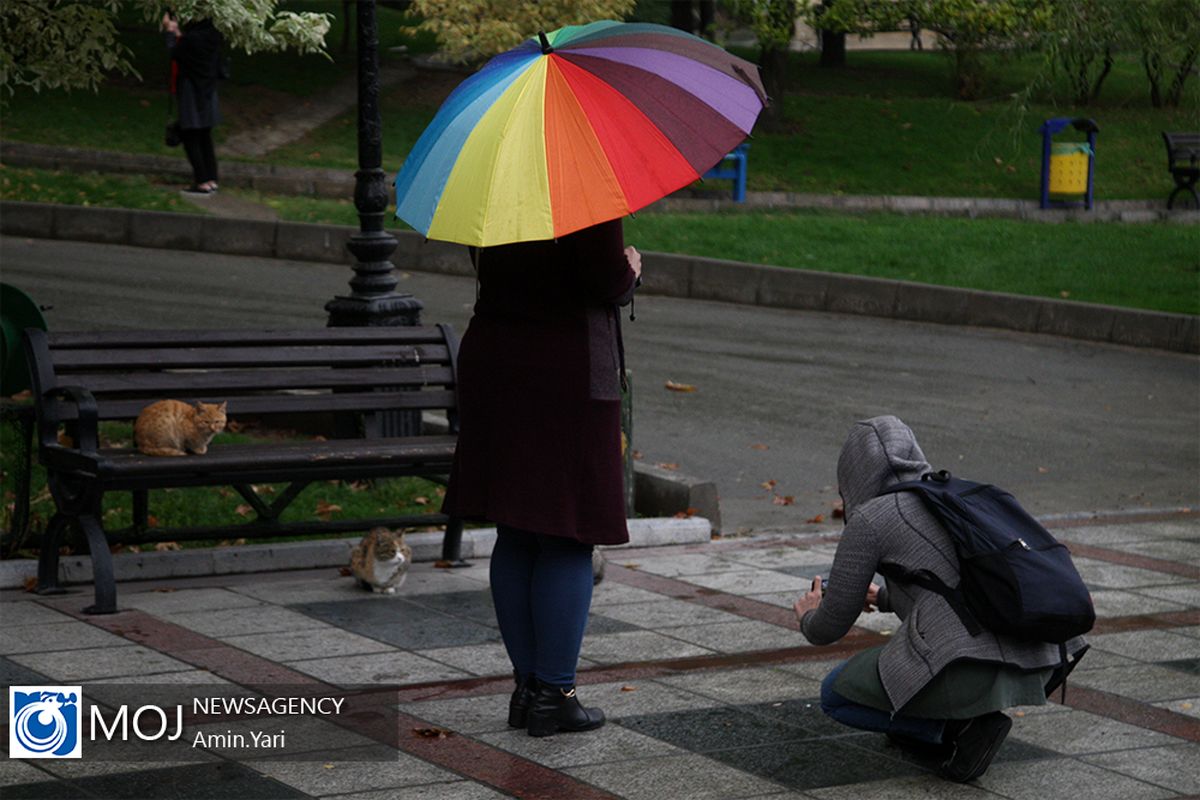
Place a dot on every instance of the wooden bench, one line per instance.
(372, 382)
(734, 167)
(1183, 162)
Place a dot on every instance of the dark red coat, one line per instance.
(539, 445)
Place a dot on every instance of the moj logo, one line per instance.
(44, 721)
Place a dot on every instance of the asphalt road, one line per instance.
(1068, 426)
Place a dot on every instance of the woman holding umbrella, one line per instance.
(196, 50)
(533, 161)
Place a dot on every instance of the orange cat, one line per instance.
(175, 428)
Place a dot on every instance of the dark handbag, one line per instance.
(173, 137)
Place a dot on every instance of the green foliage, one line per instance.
(1168, 34)
(473, 30)
(1081, 42)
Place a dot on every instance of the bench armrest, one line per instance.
(87, 433)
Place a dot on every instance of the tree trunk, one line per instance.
(1175, 93)
(708, 17)
(1153, 64)
(1108, 65)
(833, 49)
(774, 75)
(681, 16)
(968, 72)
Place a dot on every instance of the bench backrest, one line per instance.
(260, 373)
(1182, 146)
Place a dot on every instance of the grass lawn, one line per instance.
(92, 189)
(217, 505)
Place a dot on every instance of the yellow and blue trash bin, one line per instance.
(1068, 168)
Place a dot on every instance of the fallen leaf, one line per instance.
(1018, 713)
(440, 491)
(682, 515)
(358, 486)
(324, 510)
(632, 565)
(637, 455)
(262, 488)
(1010, 169)
(714, 536)
(345, 571)
(783, 500)
(670, 465)
(628, 688)
(432, 733)
(1186, 706)
(1064, 294)
(999, 161)
(421, 500)
(839, 511)
(162, 547)
(760, 447)
(906, 126)
(225, 492)
(31, 583)
(319, 438)
(1043, 470)
(243, 510)
(679, 387)
(442, 563)
(233, 426)
(768, 485)
(818, 519)
(327, 766)
(151, 521)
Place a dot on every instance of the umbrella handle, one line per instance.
(546, 48)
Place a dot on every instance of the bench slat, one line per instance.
(287, 356)
(165, 384)
(93, 340)
(289, 403)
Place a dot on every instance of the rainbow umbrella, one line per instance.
(573, 128)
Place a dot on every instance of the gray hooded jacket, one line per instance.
(898, 529)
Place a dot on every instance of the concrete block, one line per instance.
(15, 571)
(852, 294)
(164, 229)
(666, 273)
(904, 204)
(864, 203)
(303, 242)
(1076, 320)
(1145, 328)
(85, 224)
(334, 189)
(282, 184)
(243, 237)
(1183, 217)
(660, 532)
(727, 281)
(952, 206)
(1185, 333)
(282, 556)
(663, 493)
(792, 288)
(443, 258)
(946, 305)
(1009, 311)
(1139, 216)
(27, 219)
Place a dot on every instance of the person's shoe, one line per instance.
(555, 709)
(197, 190)
(917, 747)
(975, 745)
(522, 696)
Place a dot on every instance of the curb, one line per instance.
(671, 275)
(476, 543)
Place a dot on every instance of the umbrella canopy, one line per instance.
(573, 128)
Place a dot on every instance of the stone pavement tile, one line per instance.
(1188, 705)
(476, 659)
(215, 781)
(1145, 682)
(27, 612)
(401, 623)
(1107, 535)
(751, 582)
(164, 604)
(668, 613)
(782, 557)
(187, 677)
(1176, 767)
(1193, 631)
(814, 670)
(693, 777)
(1102, 659)
(222, 622)
(1185, 594)
(1118, 603)
(395, 667)
(326, 641)
(876, 621)
(815, 763)
(1103, 575)
(340, 776)
(636, 697)
(1177, 550)
(450, 790)
(470, 715)
(303, 735)
(475, 605)
(1156, 645)
(72, 666)
(675, 566)
(599, 624)
(925, 786)
(806, 713)
(43, 791)
(609, 593)
(47, 637)
(785, 599)
(703, 730)
(1081, 732)
(737, 637)
(13, 771)
(615, 648)
(753, 685)
(1065, 778)
(611, 743)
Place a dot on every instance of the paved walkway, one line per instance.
(692, 651)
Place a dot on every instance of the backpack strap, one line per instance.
(927, 580)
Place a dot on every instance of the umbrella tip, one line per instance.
(546, 48)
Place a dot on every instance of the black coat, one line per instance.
(540, 442)
(198, 55)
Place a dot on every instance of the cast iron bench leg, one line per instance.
(452, 543)
(102, 567)
(48, 555)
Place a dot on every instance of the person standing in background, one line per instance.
(196, 52)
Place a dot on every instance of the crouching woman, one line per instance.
(933, 687)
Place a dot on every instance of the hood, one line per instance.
(878, 452)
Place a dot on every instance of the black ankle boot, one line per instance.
(522, 696)
(555, 709)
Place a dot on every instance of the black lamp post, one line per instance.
(373, 300)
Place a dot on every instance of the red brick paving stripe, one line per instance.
(482, 763)
(1132, 712)
(1133, 560)
(1131, 518)
(1145, 622)
(701, 595)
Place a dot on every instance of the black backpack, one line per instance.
(1016, 579)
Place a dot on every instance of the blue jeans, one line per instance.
(866, 718)
(542, 588)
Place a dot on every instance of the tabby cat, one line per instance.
(175, 428)
(381, 560)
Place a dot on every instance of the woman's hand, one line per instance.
(872, 601)
(170, 24)
(635, 260)
(810, 601)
